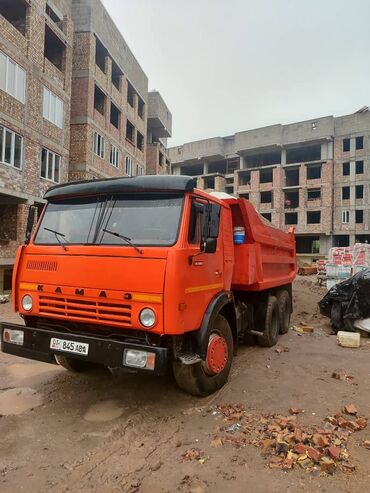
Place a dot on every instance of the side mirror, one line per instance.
(209, 245)
(30, 222)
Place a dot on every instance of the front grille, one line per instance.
(42, 265)
(116, 314)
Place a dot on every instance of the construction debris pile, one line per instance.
(285, 442)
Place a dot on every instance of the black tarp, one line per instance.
(348, 301)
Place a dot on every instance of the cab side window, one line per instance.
(196, 223)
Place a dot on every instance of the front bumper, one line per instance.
(107, 352)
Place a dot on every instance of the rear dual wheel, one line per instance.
(277, 318)
(209, 375)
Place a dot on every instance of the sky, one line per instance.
(224, 66)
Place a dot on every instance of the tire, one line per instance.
(197, 379)
(75, 365)
(336, 316)
(285, 310)
(272, 324)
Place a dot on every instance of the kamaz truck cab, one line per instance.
(143, 273)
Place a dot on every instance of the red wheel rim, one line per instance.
(217, 354)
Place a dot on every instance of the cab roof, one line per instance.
(155, 183)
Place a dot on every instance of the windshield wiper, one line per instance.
(57, 234)
(125, 238)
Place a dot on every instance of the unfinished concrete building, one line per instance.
(35, 86)
(159, 130)
(312, 175)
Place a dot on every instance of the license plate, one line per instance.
(69, 346)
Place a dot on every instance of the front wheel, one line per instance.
(209, 375)
(75, 365)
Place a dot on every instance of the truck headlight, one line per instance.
(136, 358)
(27, 303)
(147, 317)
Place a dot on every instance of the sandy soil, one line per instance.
(94, 432)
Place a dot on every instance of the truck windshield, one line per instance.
(150, 220)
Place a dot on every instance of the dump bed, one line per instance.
(267, 259)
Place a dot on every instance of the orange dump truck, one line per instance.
(149, 273)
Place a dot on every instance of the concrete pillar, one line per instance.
(331, 150)
(324, 151)
(241, 162)
(205, 168)
(283, 156)
(220, 183)
(200, 183)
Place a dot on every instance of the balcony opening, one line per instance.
(267, 215)
(308, 244)
(116, 75)
(292, 177)
(346, 145)
(359, 216)
(141, 108)
(115, 115)
(291, 218)
(161, 159)
(53, 16)
(359, 143)
(245, 179)
(291, 200)
(232, 165)
(346, 193)
(8, 276)
(359, 191)
(266, 176)
(15, 12)
(266, 197)
(8, 222)
(341, 240)
(263, 159)
(244, 196)
(140, 141)
(101, 54)
(314, 194)
(314, 172)
(99, 100)
(313, 217)
(217, 167)
(363, 239)
(54, 48)
(209, 182)
(130, 95)
(192, 170)
(303, 154)
(130, 132)
(359, 167)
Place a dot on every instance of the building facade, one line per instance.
(159, 129)
(73, 105)
(109, 99)
(312, 175)
(35, 92)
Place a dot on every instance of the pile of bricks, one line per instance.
(286, 443)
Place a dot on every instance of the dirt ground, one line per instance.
(94, 432)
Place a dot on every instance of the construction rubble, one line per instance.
(286, 442)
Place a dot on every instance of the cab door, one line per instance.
(203, 274)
